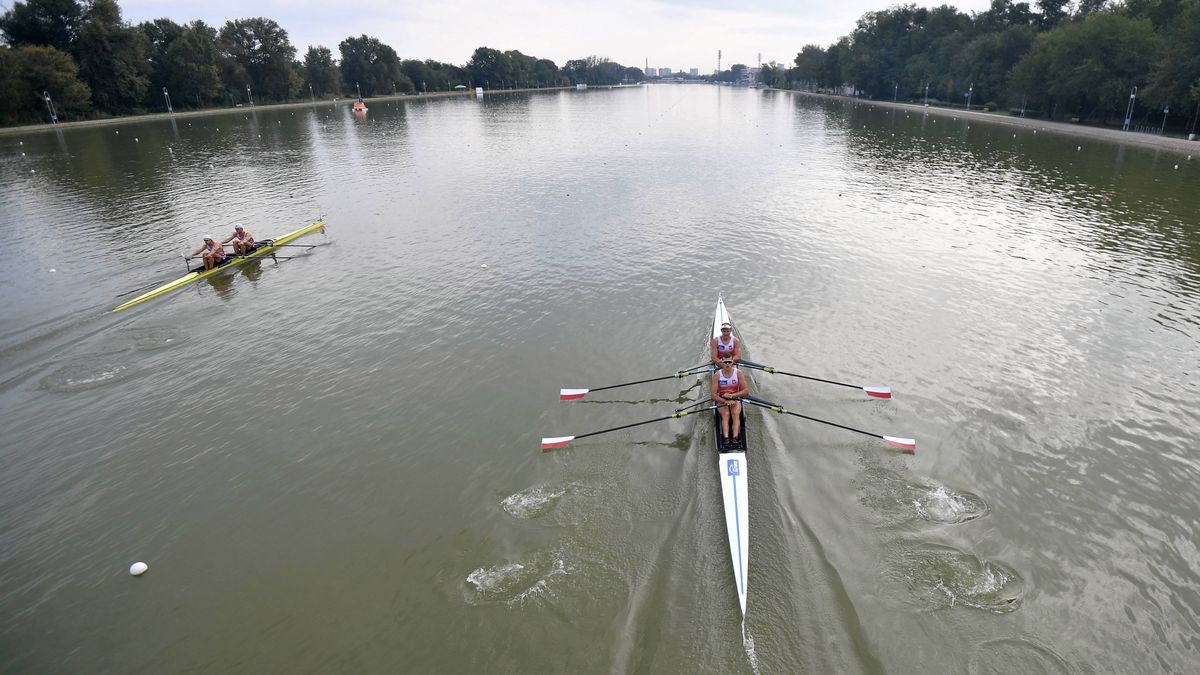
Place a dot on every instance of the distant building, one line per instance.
(652, 72)
(695, 72)
(664, 72)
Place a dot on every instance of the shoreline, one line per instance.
(151, 117)
(1180, 145)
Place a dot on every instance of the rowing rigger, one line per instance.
(732, 467)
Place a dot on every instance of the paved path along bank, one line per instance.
(1180, 145)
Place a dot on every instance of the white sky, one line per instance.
(678, 34)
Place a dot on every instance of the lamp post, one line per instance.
(359, 89)
(1163, 130)
(50, 107)
(1023, 105)
(311, 95)
(249, 96)
(896, 92)
(1129, 109)
(970, 90)
(927, 93)
(1195, 116)
(167, 98)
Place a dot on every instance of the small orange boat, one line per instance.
(359, 106)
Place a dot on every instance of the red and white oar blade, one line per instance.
(571, 394)
(878, 392)
(908, 444)
(552, 443)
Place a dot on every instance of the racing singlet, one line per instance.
(214, 246)
(723, 349)
(728, 385)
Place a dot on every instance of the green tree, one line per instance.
(112, 58)
(374, 66)
(545, 73)
(1090, 64)
(322, 72)
(27, 72)
(488, 67)
(191, 64)
(810, 63)
(1175, 80)
(42, 22)
(259, 54)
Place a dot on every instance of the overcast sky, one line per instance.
(670, 33)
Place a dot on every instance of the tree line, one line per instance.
(93, 64)
(1078, 60)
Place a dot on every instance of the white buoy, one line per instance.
(137, 569)
(1176, 167)
(136, 139)
(52, 270)
(210, 166)
(32, 171)
(1078, 148)
(484, 266)
(118, 131)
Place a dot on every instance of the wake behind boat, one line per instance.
(732, 467)
(265, 248)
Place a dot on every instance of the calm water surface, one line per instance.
(331, 463)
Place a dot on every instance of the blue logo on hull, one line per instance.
(733, 467)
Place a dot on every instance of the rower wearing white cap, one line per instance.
(214, 253)
(726, 346)
(243, 241)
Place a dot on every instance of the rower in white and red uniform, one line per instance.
(727, 387)
(214, 253)
(243, 241)
(726, 346)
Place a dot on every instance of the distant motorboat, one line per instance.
(359, 106)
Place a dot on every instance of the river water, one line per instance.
(331, 463)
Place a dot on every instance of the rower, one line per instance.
(214, 253)
(727, 388)
(243, 241)
(726, 346)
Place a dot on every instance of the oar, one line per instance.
(549, 444)
(877, 392)
(573, 394)
(907, 444)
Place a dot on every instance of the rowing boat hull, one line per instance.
(263, 250)
(733, 470)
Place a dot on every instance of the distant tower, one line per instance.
(718, 62)
(647, 68)
(760, 60)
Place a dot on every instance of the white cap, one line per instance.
(207, 238)
(237, 226)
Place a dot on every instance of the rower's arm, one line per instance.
(713, 389)
(713, 351)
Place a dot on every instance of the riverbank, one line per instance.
(39, 128)
(1180, 145)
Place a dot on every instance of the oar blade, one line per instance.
(572, 394)
(909, 445)
(878, 392)
(549, 444)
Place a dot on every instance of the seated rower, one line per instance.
(243, 241)
(214, 253)
(727, 387)
(726, 346)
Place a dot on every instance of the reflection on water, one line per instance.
(289, 443)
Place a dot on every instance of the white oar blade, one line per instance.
(878, 392)
(908, 444)
(571, 394)
(552, 443)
